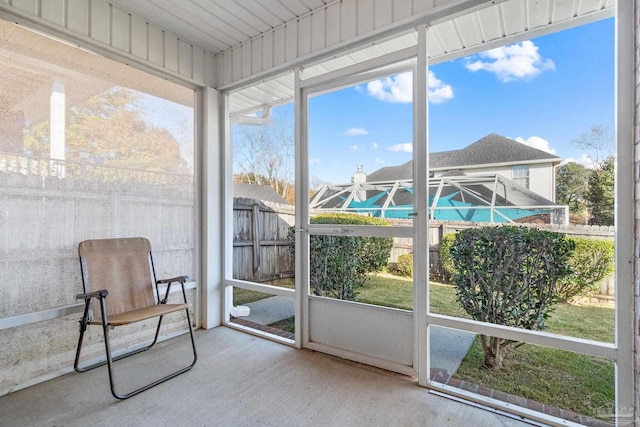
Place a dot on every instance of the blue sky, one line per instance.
(545, 92)
(174, 117)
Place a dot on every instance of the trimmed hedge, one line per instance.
(339, 265)
(404, 266)
(445, 254)
(591, 261)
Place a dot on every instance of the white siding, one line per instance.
(78, 17)
(541, 179)
(635, 230)
(139, 37)
(99, 24)
(329, 30)
(53, 11)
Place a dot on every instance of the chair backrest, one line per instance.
(121, 266)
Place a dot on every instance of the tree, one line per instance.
(571, 186)
(600, 195)
(507, 275)
(597, 144)
(263, 154)
(109, 129)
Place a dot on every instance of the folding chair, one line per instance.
(118, 280)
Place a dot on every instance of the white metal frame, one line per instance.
(394, 63)
(421, 205)
(46, 30)
(620, 352)
(228, 282)
(624, 213)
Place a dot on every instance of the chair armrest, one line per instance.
(179, 279)
(97, 294)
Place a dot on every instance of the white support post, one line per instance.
(213, 197)
(57, 118)
(625, 208)
(421, 211)
(302, 215)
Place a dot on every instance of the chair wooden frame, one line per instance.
(123, 270)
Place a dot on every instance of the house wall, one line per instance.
(542, 180)
(636, 199)
(115, 33)
(541, 177)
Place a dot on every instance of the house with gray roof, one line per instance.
(257, 192)
(494, 154)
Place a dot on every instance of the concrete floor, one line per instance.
(241, 380)
(448, 346)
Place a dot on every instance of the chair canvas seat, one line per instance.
(141, 314)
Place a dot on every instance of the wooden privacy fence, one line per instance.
(260, 245)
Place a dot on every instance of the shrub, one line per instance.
(591, 261)
(507, 275)
(446, 263)
(338, 265)
(404, 266)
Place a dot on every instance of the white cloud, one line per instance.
(400, 89)
(354, 148)
(513, 62)
(392, 89)
(438, 90)
(407, 147)
(584, 160)
(537, 142)
(356, 131)
(380, 161)
(374, 146)
(314, 160)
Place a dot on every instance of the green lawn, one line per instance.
(558, 378)
(245, 296)
(589, 322)
(554, 377)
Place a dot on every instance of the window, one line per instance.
(89, 148)
(521, 175)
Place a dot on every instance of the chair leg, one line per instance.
(76, 363)
(83, 327)
(110, 361)
(77, 366)
(193, 340)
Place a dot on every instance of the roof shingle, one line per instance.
(491, 149)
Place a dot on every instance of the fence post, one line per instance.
(257, 268)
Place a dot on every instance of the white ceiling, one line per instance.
(217, 25)
(498, 25)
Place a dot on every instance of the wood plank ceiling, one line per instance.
(218, 25)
